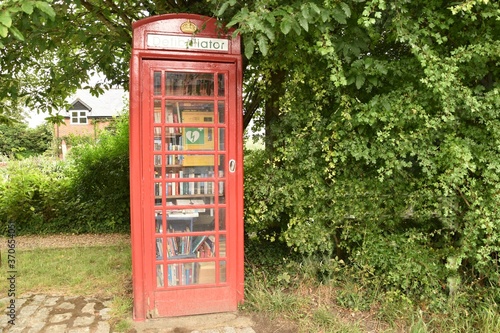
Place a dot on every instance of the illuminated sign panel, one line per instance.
(169, 42)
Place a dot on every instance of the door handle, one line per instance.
(232, 166)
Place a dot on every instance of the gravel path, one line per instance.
(62, 241)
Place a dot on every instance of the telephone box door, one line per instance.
(190, 164)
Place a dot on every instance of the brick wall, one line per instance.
(88, 129)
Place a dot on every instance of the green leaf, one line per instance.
(269, 33)
(285, 26)
(339, 16)
(305, 12)
(360, 80)
(46, 8)
(271, 19)
(386, 105)
(346, 9)
(325, 15)
(27, 7)
(263, 47)
(249, 47)
(5, 19)
(304, 23)
(222, 9)
(16, 33)
(315, 8)
(3, 31)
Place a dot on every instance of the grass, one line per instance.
(101, 271)
(89, 271)
(344, 304)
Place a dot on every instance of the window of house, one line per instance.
(79, 117)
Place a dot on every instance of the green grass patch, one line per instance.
(87, 271)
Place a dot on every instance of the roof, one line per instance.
(108, 104)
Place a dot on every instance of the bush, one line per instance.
(99, 193)
(32, 195)
(87, 193)
(19, 141)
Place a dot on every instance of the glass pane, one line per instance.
(188, 111)
(180, 220)
(173, 140)
(222, 271)
(173, 111)
(205, 273)
(222, 138)
(191, 217)
(158, 194)
(204, 222)
(173, 161)
(157, 138)
(158, 222)
(203, 246)
(159, 276)
(199, 171)
(222, 219)
(221, 110)
(157, 83)
(83, 120)
(222, 163)
(222, 198)
(203, 174)
(157, 111)
(196, 114)
(157, 166)
(189, 84)
(221, 83)
(194, 188)
(222, 246)
(180, 248)
(194, 160)
(198, 138)
(74, 114)
(159, 249)
(182, 274)
(172, 189)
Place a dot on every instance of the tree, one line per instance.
(18, 140)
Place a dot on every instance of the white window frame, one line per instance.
(80, 115)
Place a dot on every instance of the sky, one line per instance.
(34, 119)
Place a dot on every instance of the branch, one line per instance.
(112, 26)
(119, 12)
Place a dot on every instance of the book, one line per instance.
(159, 249)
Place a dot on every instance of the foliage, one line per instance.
(32, 193)
(99, 194)
(48, 49)
(385, 148)
(86, 193)
(18, 140)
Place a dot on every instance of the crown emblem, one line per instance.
(188, 27)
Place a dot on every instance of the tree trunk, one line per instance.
(272, 107)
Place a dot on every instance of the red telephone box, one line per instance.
(186, 167)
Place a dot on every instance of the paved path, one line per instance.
(61, 314)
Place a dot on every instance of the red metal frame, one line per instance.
(148, 301)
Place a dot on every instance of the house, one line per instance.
(88, 114)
